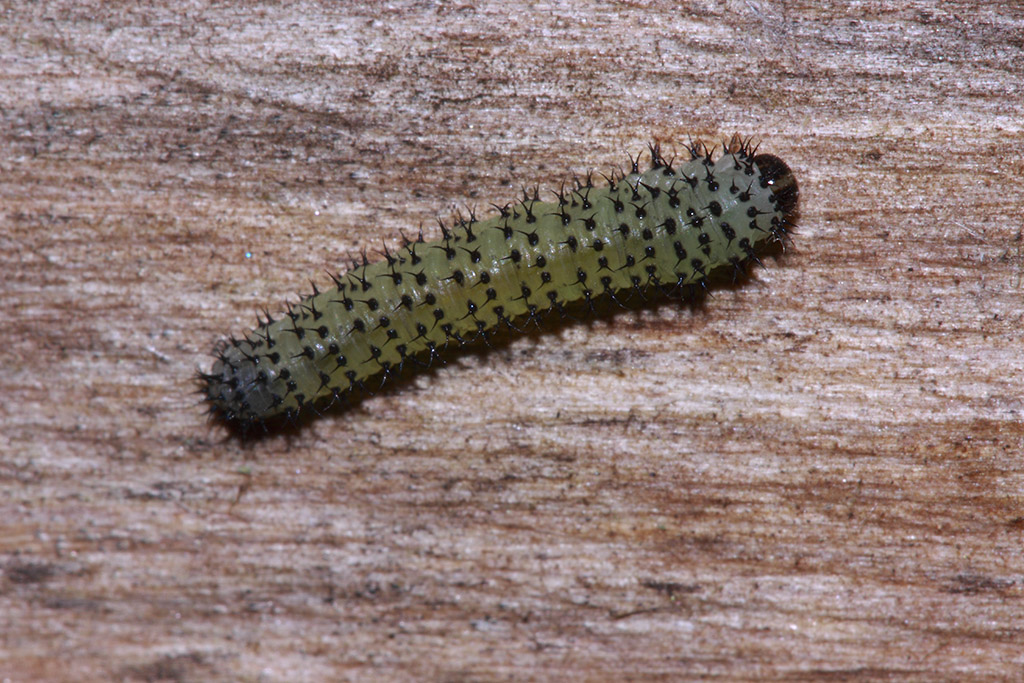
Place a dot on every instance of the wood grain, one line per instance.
(815, 476)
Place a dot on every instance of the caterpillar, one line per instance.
(667, 228)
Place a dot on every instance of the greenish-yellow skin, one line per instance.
(664, 227)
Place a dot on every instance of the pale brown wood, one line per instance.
(817, 475)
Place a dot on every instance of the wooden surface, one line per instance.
(815, 476)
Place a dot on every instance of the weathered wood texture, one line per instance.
(816, 475)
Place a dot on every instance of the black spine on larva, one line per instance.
(669, 227)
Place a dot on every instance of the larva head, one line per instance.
(781, 181)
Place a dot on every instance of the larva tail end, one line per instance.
(233, 396)
(221, 402)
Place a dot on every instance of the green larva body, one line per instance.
(664, 227)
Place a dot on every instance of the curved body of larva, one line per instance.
(666, 226)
